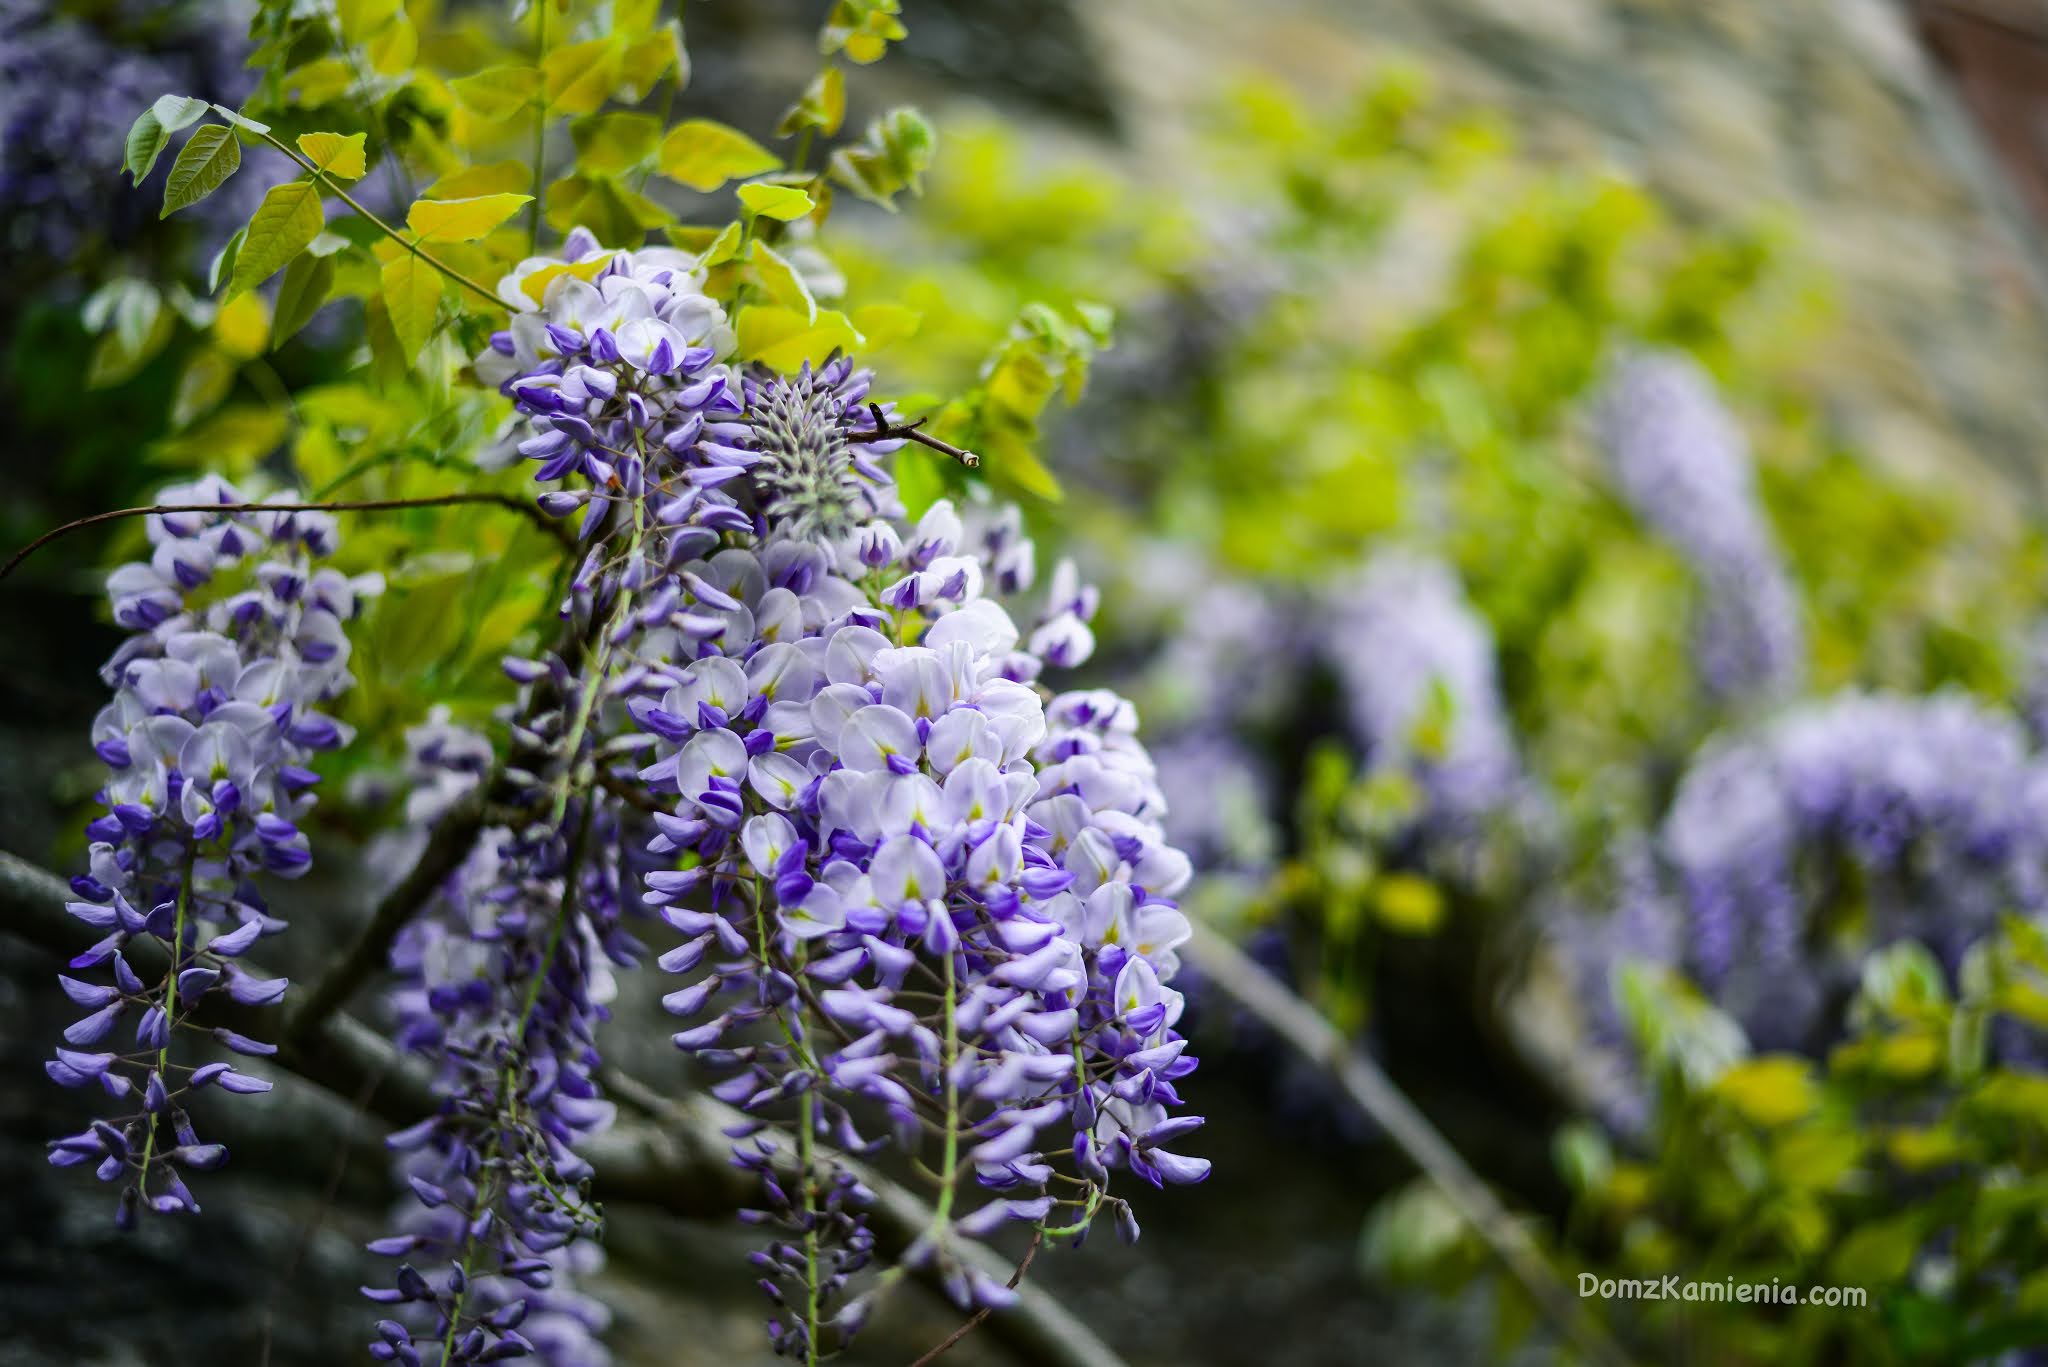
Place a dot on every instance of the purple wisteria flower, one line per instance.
(503, 985)
(1922, 816)
(237, 641)
(910, 884)
(69, 89)
(1416, 665)
(1684, 468)
(921, 888)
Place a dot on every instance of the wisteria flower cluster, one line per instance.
(68, 89)
(502, 984)
(916, 889)
(1922, 813)
(1416, 665)
(238, 641)
(1684, 468)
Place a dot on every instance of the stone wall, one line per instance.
(1829, 109)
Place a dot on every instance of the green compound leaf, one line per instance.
(300, 294)
(208, 159)
(284, 225)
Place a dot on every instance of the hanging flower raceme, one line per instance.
(1683, 467)
(920, 890)
(502, 985)
(1416, 666)
(237, 641)
(1929, 808)
(910, 886)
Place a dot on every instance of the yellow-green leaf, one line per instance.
(209, 157)
(823, 105)
(608, 209)
(412, 295)
(782, 282)
(884, 324)
(360, 18)
(705, 155)
(335, 153)
(1008, 457)
(471, 181)
(393, 48)
(536, 284)
(288, 219)
(612, 144)
(1408, 903)
(723, 247)
(497, 92)
(241, 327)
(654, 55)
(776, 201)
(462, 220)
(1773, 1090)
(581, 77)
(784, 339)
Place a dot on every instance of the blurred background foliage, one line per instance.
(1318, 400)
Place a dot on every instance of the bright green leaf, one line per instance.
(725, 247)
(412, 294)
(289, 218)
(776, 201)
(336, 154)
(705, 155)
(579, 78)
(147, 138)
(462, 220)
(223, 266)
(300, 294)
(208, 158)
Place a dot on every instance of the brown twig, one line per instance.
(371, 505)
(910, 431)
(939, 1349)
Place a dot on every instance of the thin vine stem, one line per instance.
(540, 129)
(944, 1345)
(334, 187)
(529, 510)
